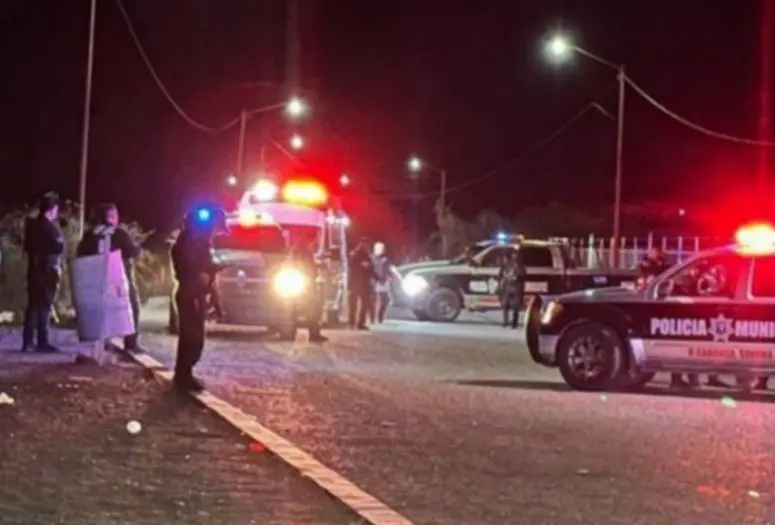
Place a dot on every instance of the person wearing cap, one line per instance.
(44, 246)
(195, 272)
(361, 275)
(105, 235)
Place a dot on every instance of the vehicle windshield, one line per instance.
(264, 239)
(472, 251)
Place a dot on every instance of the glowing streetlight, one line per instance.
(231, 180)
(559, 47)
(296, 107)
(344, 180)
(297, 142)
(415, 164)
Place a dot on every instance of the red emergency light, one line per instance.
(305, 193)
(757, 238)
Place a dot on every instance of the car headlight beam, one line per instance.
(289, 282)
(413, 285)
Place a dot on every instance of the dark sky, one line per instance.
(463, 83)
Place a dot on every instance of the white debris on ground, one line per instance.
(134, 427)
(5, 399)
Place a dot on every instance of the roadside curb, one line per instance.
(359, 501)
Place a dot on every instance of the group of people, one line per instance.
(369, 275)
(44, 247)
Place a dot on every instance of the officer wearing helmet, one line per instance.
(195, 273)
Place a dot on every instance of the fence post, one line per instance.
(680, 248)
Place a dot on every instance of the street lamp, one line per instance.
(297, 141)
(344, 180)
(231, 180)
(416, 165)
(560, 48)
(296, 107)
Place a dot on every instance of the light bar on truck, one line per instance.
(756, 238)
(264, 190)
(305, 193)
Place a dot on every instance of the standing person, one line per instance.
(361, 276)
(512, 282)
(104, 236)
(44, 246)
(195, 272)
(303, 255)
(381, 299)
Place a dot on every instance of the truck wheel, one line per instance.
(532, 321)
(443, 305)
(630, 382)
(421, 315)
(172, 323)
(590, 356)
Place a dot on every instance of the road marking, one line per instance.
(362, 503)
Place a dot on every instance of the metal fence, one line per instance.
(597, 252)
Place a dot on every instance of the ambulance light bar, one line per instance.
(305, 193)
(756, 239)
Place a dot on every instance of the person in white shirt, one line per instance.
(384, 271)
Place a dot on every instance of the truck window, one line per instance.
(713, 276)
(494, 256)
(763, 284)
(264, 239)
(536, 256)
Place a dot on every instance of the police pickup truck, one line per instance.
(441, 292)
(714, 313)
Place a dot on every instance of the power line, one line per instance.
(509, 164)
(188, 118)
(696, 127)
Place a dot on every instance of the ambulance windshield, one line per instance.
(259, 238)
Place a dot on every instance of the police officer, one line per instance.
(195, 273)
(106, 235)
(44, 245)
(303, 255)
(511, 279)
(361, 277)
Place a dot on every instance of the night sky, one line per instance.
(464, 84)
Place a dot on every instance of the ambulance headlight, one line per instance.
(289, 283)
(413, 285)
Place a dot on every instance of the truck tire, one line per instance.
(632, 382)
(590, 356)
(443, 305)
(420, 315)
(532, 321)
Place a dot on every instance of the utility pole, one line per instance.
(241, 146)
(443, 202)
(619, 151)
(86, 121)
(765, 98)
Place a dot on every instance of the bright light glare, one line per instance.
(413, 285)
(307, 193)
(264, 190)
(414, 164)
(756, 238)
(296, 107)
(231, 180)
(344, 180)
(297, 142)
(559, 47)
(501, 236)
(203, 214)
(289, 283)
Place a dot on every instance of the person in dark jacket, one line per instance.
(195, 272)
(361, 278)
(106, 235)
(303, 256)
(511, 279)
(44, 246)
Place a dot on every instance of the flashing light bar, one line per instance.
(264, 190)
(306, 193)
(756, 238)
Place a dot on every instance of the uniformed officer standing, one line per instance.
(361, 277)
(303, 255)
(195, 272)
(105, 236)
(511, 279)
(44, 245)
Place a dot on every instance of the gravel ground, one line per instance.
(66, 457)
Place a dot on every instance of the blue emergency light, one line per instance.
(501, 237)
(203, 215)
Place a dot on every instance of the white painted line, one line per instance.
(362, 503)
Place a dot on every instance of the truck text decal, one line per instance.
(719, 328)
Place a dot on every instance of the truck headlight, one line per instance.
(413, 285)
(550, 312)
(289, 282)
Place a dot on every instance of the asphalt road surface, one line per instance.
(453, 424)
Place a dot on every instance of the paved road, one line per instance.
(452, 424)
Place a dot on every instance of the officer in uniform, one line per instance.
(107, 232)
(511, 280)
(362, 275)
(195, 273)
(44, 245)
(303, 255)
